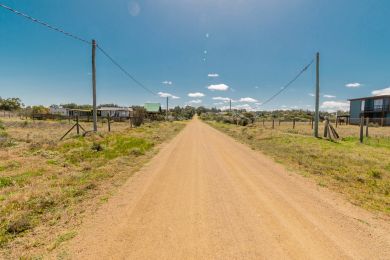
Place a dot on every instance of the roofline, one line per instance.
(374, 97)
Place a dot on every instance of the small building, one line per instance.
(58, 110)
(376, 108)
(153, 108)
(115, 112)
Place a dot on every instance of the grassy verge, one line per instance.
(46, 186)
(360, 171)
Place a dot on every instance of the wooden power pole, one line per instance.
(94, 85)
(167, 108)
(230, 109)
(317, 106)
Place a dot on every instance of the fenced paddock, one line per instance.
(305, 128)
(31, 131)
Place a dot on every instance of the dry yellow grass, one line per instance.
(47, 186)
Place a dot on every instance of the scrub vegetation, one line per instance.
(47, 186)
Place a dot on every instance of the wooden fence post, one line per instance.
(109, 122)
(326, 128)
(263, 122)
(367, 122)
(312, 123)
(361, 129)
(77, 125)
(294, 123)
(279, 122)
(273, 123)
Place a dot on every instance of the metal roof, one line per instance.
(373, 97)
(152, 107)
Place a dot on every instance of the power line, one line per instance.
(79, 39)
(44, 24)
(288, 84)
(125, 71)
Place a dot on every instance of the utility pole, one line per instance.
(230, 109)
(317, 111)
(94, 85)
(167, 108)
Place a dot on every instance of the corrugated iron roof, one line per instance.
(373, 97)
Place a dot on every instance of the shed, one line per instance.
(153, 108)
(115, 112)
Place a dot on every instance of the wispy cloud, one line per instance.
(195, 101)
(248, 100)
(239, 107)
(224, 99)
(329, 96)
(167, 82)
(196, 95)
(213, 75)
(164, 95)
(218, 87)
(381, 92)
(312, 95)
(353, 85)
(333, 106)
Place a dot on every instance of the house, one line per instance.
(115, 112)
(153, 108)
(376, 108)
(58, 110)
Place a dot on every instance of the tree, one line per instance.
(75, 106)
(10, 104)
(40, 110)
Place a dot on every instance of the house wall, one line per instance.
(59, 111)
(355, 110)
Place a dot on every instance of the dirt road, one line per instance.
(205, 196)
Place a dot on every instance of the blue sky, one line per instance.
(255, 47)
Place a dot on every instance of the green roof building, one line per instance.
(152, 107)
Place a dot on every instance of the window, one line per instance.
(378, 104)
(363, 105)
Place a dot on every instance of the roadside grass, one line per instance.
(46, 186)
(360, 171)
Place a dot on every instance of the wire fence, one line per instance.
(345, 129)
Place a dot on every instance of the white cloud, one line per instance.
(218, 87)
(224, 99)
(256, 87)
(196, 95)
(205, 51)
(248, 99)
(134, 8)
(164, 95)
(196, 101)
(353, 85)
(207, 35)
(213, 75)
(381, 92)
(329, 96)
(218, 103)
(167, 82)
(333, 106)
